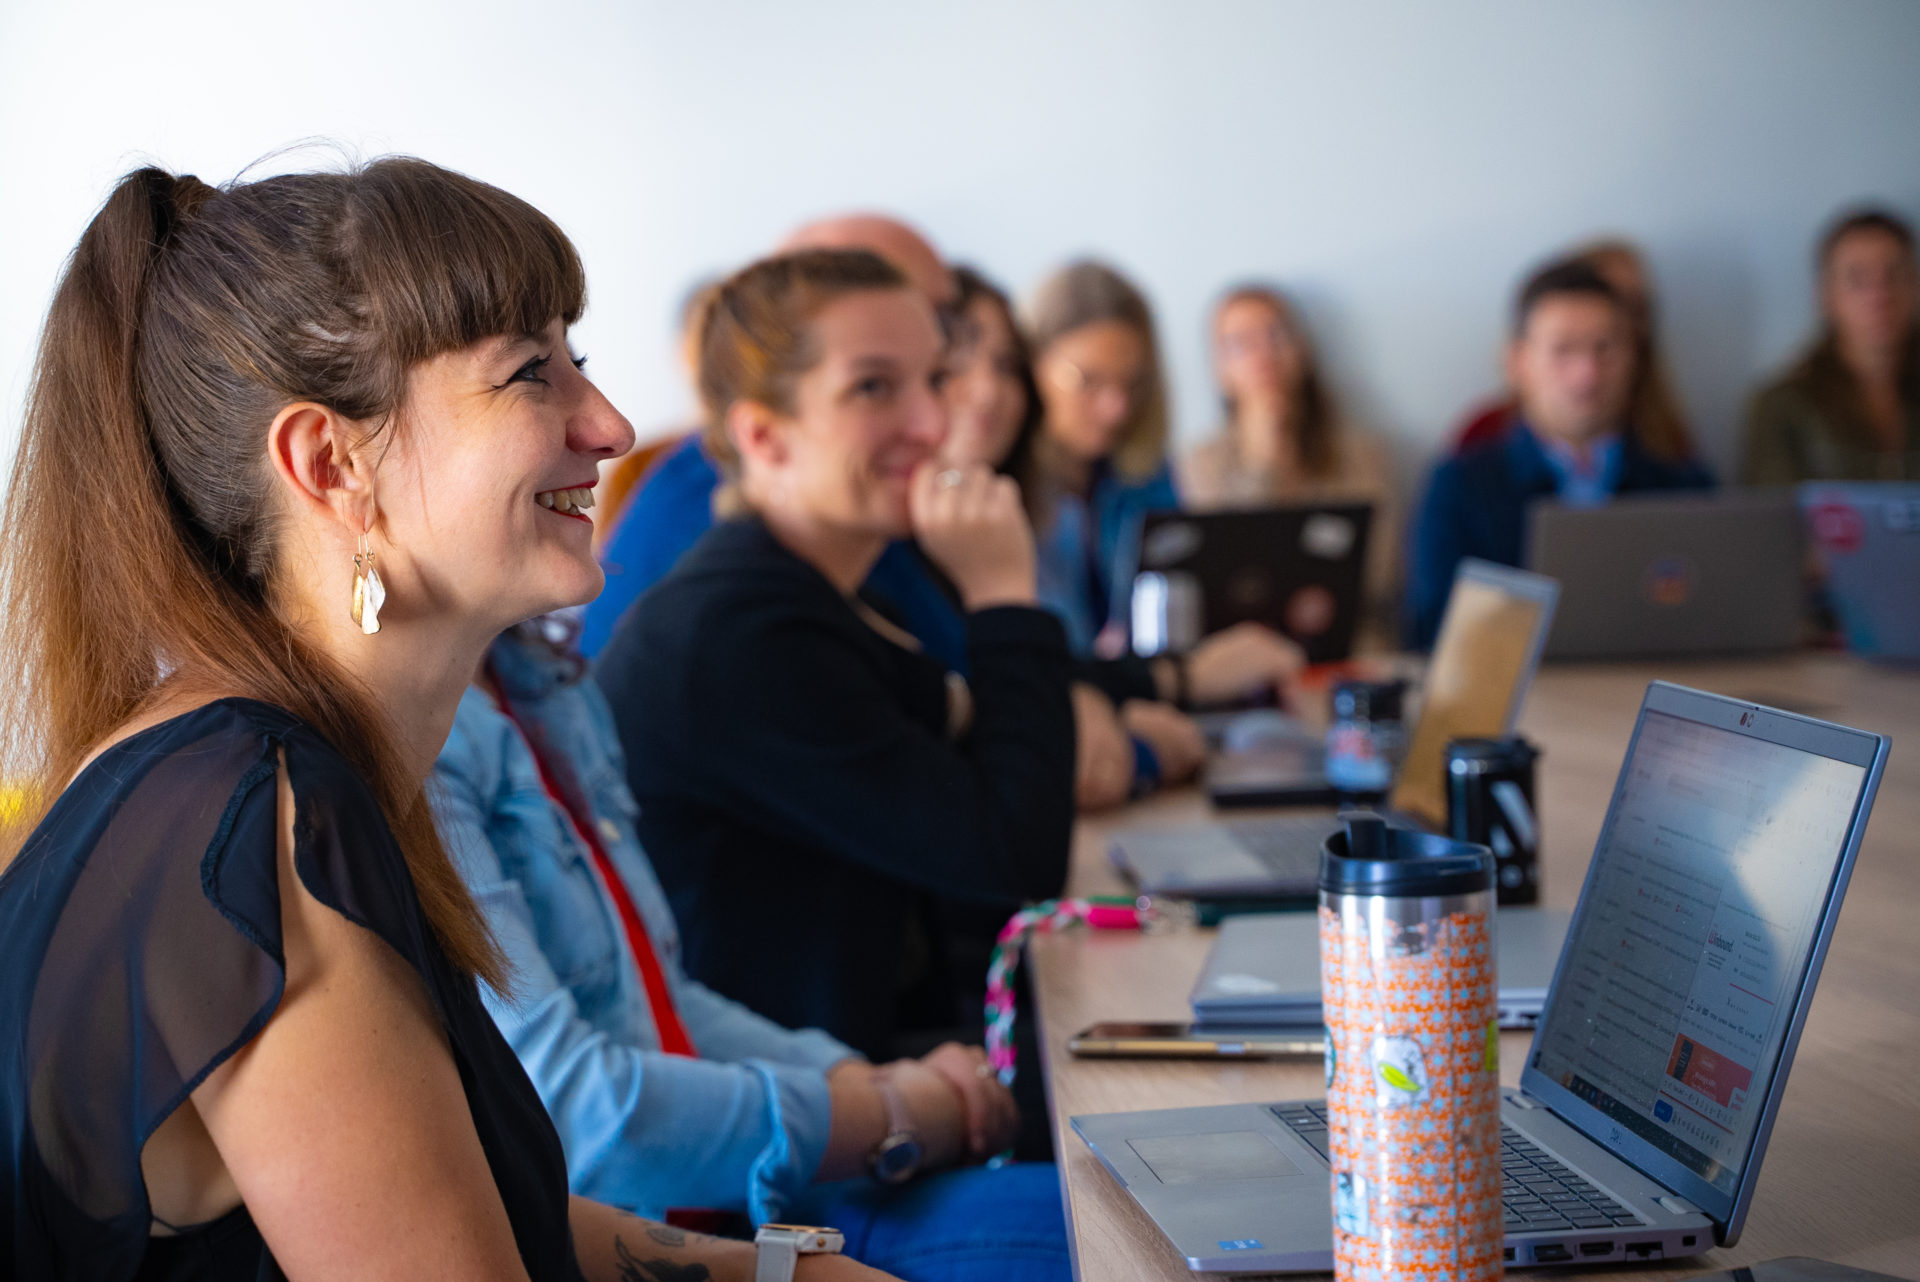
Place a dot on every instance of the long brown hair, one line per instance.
(1311, 413)
(970, 287)
(1089, 293)
(755, 339)
(1829, 381)
(139, 553)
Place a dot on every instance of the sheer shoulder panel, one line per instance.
(140, 947)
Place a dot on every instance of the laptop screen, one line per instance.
(1680, 979)
(1483, 659)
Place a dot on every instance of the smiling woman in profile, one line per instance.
(296, 451)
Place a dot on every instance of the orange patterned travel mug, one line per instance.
(1413, 1071)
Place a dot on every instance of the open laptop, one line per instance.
(1488, 648)
(1662, 1053)
(1868, 536)
(1298, 569)
(1484, 656)
(1264, 970)
(1672, 574)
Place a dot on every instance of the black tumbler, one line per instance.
(1490, 803)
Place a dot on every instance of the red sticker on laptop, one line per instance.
(1837, 527)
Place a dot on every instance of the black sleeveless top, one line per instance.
(140, 947)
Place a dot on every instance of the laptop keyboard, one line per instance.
(1541, 1193)
(1289, 845)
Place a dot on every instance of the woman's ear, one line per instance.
(311, 448)
(758, 435)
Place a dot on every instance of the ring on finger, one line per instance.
(983, 1070)
(949, 478)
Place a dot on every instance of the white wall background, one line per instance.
(1397, 163)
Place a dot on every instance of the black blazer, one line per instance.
(800, 795)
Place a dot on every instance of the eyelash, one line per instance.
(530, 372)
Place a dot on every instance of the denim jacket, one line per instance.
(741, 1128)
(1097, 535)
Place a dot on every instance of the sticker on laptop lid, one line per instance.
(1327, 536)
(1170, 543)
(1668, 581)
(1837, 526)
(1243, 1244)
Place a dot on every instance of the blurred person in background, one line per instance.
(1284, 439)
(1849, 408)
(1570, 361)
(1099, 462)
(1660, 423)
(1131, 735)
(673, 506)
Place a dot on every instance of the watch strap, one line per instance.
(778, 1248)
(778, 1256)
(899, 1121)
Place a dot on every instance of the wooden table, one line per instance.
(1841, 1179)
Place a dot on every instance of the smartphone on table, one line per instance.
(1173, 1040)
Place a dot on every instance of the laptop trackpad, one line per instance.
(1205, 1159)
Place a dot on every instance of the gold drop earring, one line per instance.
(369, 594)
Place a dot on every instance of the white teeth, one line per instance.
(572, 502)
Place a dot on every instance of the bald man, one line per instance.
(888, 237)
(674, 505)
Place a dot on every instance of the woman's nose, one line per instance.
(598, 428)
(927, 419)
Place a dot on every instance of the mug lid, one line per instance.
(1368, 856)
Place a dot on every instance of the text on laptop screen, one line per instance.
(1681, 975)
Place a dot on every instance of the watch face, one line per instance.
(896, 1160)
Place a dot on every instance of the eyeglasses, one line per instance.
(1247, 342)
(1070, 378)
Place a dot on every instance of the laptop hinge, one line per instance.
(1524, 1100)
(1679, 1206)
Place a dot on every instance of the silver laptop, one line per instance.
(1483, 661)
(1662, 1053)
(1264, 970)
(1868, 537)
(1667, 574)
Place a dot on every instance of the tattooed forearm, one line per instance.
(635, 1269)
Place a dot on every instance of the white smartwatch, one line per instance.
(780, 1247)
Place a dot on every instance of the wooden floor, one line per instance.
(1841, 1179)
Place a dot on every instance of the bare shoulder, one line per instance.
(343, 1124)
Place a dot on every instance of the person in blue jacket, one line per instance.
(667, 1095)
(1570, 361)
(1099, 462)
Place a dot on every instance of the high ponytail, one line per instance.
(139, 545)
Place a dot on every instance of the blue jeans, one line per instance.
(971, 1225)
